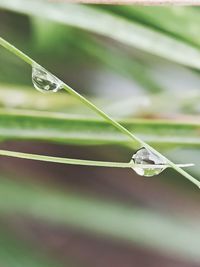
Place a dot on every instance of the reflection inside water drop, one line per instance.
(146, 157)
(44, 81)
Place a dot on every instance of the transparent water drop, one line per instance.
(44, 81)
(146, 157)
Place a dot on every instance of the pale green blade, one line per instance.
(101, 22)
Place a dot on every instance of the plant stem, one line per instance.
(101, 113)
(82, 99)
(16, 51)
(81, 162)
(64, 160)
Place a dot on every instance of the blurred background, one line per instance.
(141, 66)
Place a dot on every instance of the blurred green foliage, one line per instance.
(141, 65)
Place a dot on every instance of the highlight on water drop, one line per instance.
(44, 81)
(145, 157)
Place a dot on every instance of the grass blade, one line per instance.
(179, 22)
(122, 222)
(101, 22)
(61, 128)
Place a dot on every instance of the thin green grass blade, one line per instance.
(73, 161)
(82, 162)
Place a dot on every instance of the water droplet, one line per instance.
(146, 157)
(44, 81)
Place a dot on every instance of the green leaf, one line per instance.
(181, 22)
(58, 127)
(136, 226)
(103, 23)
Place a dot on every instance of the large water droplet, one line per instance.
(44, 81)
(146, 157)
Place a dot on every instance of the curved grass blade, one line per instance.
(179, 22)
(98, 111)
(81, 162)
(71, 161)
(103, 23)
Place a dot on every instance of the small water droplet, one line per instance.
(146, 157)
(44, 81)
